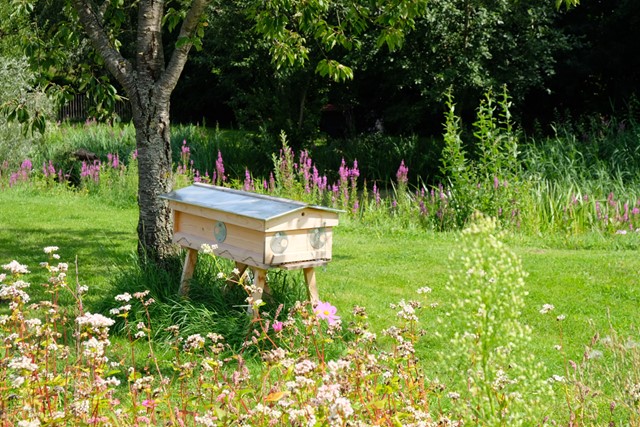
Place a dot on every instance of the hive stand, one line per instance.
(259, 276)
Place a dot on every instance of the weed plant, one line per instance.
(493, 371)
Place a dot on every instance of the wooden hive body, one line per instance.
(252, 229)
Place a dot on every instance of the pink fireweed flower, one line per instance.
(149, 403)
(402, 174)
(325, 310)
(220, 169)
(248, 181)
(48, 170)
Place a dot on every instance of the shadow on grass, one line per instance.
(27, 245)
(213, 304)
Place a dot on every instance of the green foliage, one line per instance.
(487, 179)
(21, 101)
(291, 27)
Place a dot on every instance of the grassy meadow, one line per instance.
(529, 318)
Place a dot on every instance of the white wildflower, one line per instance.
(193, 342)
(594, 354)
(29, 423)
(16, 268)
(23, 363)
(123, 297)
(546, 308)
(95, 320)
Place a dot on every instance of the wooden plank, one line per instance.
(307, 219)
(227, 218)
(187, 271)
(235, 254)
(312, 289)
(243, 238)
(299, 248)
(303, 264)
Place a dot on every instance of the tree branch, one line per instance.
(172, 73)
(91, 22)
(149, 49)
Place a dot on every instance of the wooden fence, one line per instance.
(77, 110)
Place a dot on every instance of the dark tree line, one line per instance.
(554, 62)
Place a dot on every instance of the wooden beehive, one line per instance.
(252, 229)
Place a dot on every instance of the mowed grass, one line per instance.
(594, 288)
(101, 237)
(371, 267)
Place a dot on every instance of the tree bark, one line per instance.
(151, 120)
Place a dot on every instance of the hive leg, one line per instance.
(310, 278)
(187, 271)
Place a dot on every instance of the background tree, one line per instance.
(469, 45)
(601, 74)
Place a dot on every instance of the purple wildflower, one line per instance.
(220, 169)
(402, 174)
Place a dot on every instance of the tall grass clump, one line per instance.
(495, 380)
(584, 177)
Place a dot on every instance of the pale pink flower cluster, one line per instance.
(95, 321)
(16, 268)
(193, 342)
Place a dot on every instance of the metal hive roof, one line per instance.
(242, 203)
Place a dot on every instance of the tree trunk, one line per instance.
(148, 80)
(151, 121)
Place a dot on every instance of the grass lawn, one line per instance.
(100, 236)
(371, 268)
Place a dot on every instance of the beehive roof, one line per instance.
(243, 203)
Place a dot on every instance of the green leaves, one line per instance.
(291, 27)
(334, 70)
(31, 121)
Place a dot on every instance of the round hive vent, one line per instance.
(318, 237)
(279, 242)
(220, 231)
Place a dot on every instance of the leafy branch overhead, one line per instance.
(295, 28)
